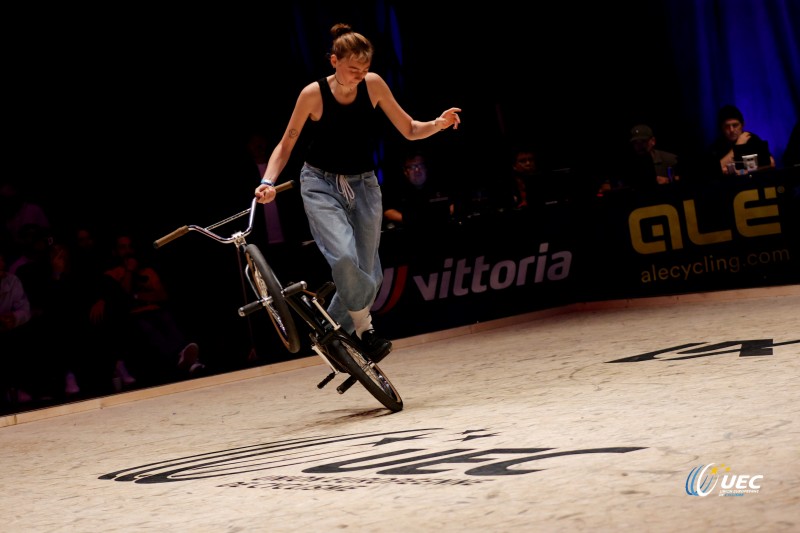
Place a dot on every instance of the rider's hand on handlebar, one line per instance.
(265, 193)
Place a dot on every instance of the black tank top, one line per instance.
(343, 140)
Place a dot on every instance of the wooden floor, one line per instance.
(661, 414)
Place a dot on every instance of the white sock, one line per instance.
(362, 320)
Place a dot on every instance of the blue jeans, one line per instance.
(345, 221)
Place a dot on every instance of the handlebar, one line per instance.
(183, 230)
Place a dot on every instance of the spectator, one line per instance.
(649, 164)
(85, 273)
(523, 169)
(15, 313)
(15, 213)
(138, 323)
(87, 257)
(63, 323)
(643, 167)
(414, 200)
(534, 185)
(791, 157)
(34, 247)
(33, 269)
(730, 122)
(59, 324)
(510, 192)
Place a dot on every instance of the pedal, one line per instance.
(327, 380)
(293, 288)
(346, 384)
(323, 292)
(250, 308)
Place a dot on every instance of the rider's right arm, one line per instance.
(308, 105)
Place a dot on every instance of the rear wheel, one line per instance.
(366, 372)
(270, 292)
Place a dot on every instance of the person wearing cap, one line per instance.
(731, 133)
(658, 166)
(644, 167)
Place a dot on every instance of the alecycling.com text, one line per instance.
(711, 264)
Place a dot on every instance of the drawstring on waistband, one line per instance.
(344, 188)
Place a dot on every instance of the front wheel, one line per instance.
(270, 292)
(366, 372)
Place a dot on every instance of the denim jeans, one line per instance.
(344, 215)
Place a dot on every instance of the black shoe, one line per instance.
(376, 348)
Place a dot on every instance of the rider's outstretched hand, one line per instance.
(450, 118)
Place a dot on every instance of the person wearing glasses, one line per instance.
(414, 200)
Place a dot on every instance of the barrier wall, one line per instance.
(737, 234)
(740, 233)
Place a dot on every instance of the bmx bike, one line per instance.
(342, 352)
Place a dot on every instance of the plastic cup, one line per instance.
(750, 161)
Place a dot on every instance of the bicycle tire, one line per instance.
(270, 291)
(366, 372)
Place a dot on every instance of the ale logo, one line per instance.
(661, 228)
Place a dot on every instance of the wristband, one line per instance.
(265, 181)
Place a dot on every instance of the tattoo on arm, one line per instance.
(292, 133)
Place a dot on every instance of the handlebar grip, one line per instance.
(283, 186)
(158, 243)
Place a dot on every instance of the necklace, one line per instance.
(349, 89)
